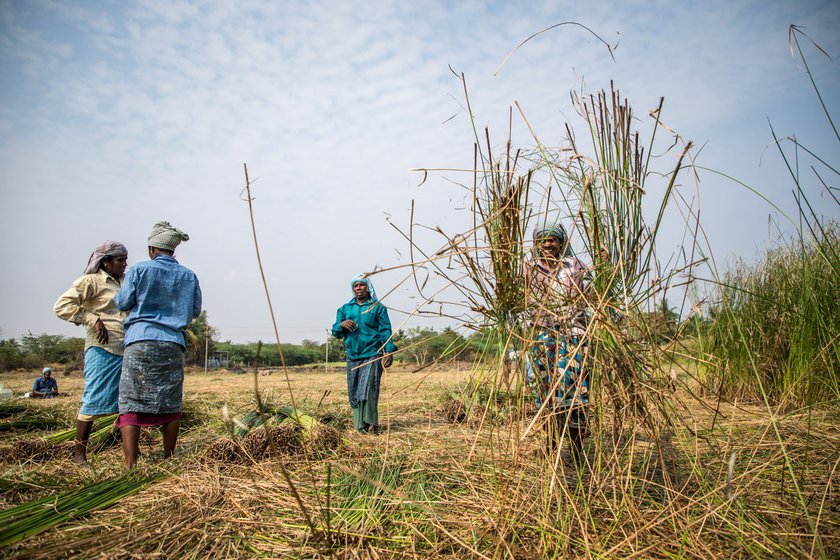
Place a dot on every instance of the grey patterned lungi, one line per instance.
(152, 379)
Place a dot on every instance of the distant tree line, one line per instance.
(33, 351)
(418, 346)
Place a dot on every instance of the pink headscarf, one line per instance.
(107, 249)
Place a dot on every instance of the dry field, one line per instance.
(430, 488)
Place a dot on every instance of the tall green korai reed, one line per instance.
(774, 334)
(775, 331)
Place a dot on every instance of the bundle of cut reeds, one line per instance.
(37, 516)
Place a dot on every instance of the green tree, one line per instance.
(199, 337)
(70, 350)
(425, 345)
(12, 356)
(44, 346)
(337, 351)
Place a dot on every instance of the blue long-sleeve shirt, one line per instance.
(373, 329)
(162, 298)
(45, 385)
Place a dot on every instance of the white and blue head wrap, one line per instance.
(366, 280)
(557, 231)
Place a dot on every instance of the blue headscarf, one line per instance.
(557, 231)
(366, 280)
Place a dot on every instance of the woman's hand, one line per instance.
(388, 359)
(101, 332)
(348, 325)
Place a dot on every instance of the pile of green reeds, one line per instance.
(37, 516)
(25, 418)
(11, 407)
(362, 498)
(99, 424)
(30, 424)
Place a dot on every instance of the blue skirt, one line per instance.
(102, 382)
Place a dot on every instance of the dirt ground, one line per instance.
(402, 390)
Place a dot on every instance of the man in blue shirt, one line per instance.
(162, 297)
(45, 386)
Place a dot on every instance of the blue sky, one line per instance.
(114, 115)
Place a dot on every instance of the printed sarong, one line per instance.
(102, 382)
(363, 378)
(152, 380)
(554, 357)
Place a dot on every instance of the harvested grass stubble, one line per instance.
(446, 506)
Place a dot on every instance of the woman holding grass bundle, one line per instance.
(162, 297)
(555, 302)
(90, 302)
(364, 325)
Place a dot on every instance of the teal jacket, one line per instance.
(373, 329)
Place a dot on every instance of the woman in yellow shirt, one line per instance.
(90, 302)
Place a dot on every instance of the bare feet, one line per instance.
(79, 456)
(83, 428)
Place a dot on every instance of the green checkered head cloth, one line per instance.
(164, 236)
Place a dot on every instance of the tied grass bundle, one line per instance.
(610, 185)
(283, 439)
(222, 450)
(70, 433)
(501, 209)
(60, 443)
(282, 431)
(491, 255)
(40, 515)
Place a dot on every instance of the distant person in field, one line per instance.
(45, 386)
(90, 302)
(364, 325)
(161, 297)
(557, 368)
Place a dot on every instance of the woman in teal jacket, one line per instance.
(364, 325)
